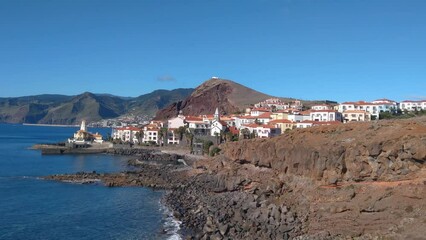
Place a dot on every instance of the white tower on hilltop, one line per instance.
(83, 126)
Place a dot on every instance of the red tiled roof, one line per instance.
(128, 128)
(265, 115)
(280, 121)
(329, 110)
(193, 119)
(418, 101)
(355, 111)
(247, 117)
(261, 109)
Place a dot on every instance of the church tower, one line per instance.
(216, 115)
(83, 126)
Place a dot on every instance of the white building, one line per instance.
(322, 107)
(263, 131)
(198, 125)
(176, 122)
(172, 137)
(409, 105)
(151, 134)
(356, 116)
(325, 116)
(298, 117)
(126, 134)
(264, 118)
(374, 108)
(244, 120)
(255, 112)
(217, 126)
(276, 103)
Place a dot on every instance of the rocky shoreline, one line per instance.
(358, 181)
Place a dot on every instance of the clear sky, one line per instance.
(308, 49)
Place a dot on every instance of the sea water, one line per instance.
(33, 208)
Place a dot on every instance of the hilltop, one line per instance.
(228, 96)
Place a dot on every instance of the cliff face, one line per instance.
(386, 150)
(226, 95)
(360, 180)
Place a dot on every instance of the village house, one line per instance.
(356, 116)
(262, 131)
(198, 125)
(279, 115)
(151, 133)
(256, 112)
(283, 124)
(325, 116)
(172, 136)
(409, 105)
(374, 108)
(273, 103)
(244, 120)
(297, 105)
(126, 134)
(176, 122)
(264, 118)
(322, 107)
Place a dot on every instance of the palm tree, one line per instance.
(162, 134)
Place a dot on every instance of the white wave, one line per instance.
(171, 225)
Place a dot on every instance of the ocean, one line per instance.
(33, 208)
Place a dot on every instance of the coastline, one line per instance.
(48, 125)
(368, 189)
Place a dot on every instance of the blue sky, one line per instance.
(307, 49)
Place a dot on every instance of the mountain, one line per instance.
(150, 103)
(61, 109)
(86, 106)
(228, 96)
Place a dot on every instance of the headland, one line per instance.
(352, 181)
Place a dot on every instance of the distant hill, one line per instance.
(228, 96)
(60, 109)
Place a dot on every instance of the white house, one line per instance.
(262, 131)
(304, 124)
(325, 115)
(198, 125)
(255, 112)
(409, 105)
(321, 107)
(151, 134)
(172, 137)
(374, 108)
(244, 120)
(176, 122)
(276, 103)
(126, 134)
(356, 116)
(298, 117)
(264, 118)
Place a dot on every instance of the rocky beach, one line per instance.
(352, 181)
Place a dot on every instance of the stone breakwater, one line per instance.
(357, 181)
